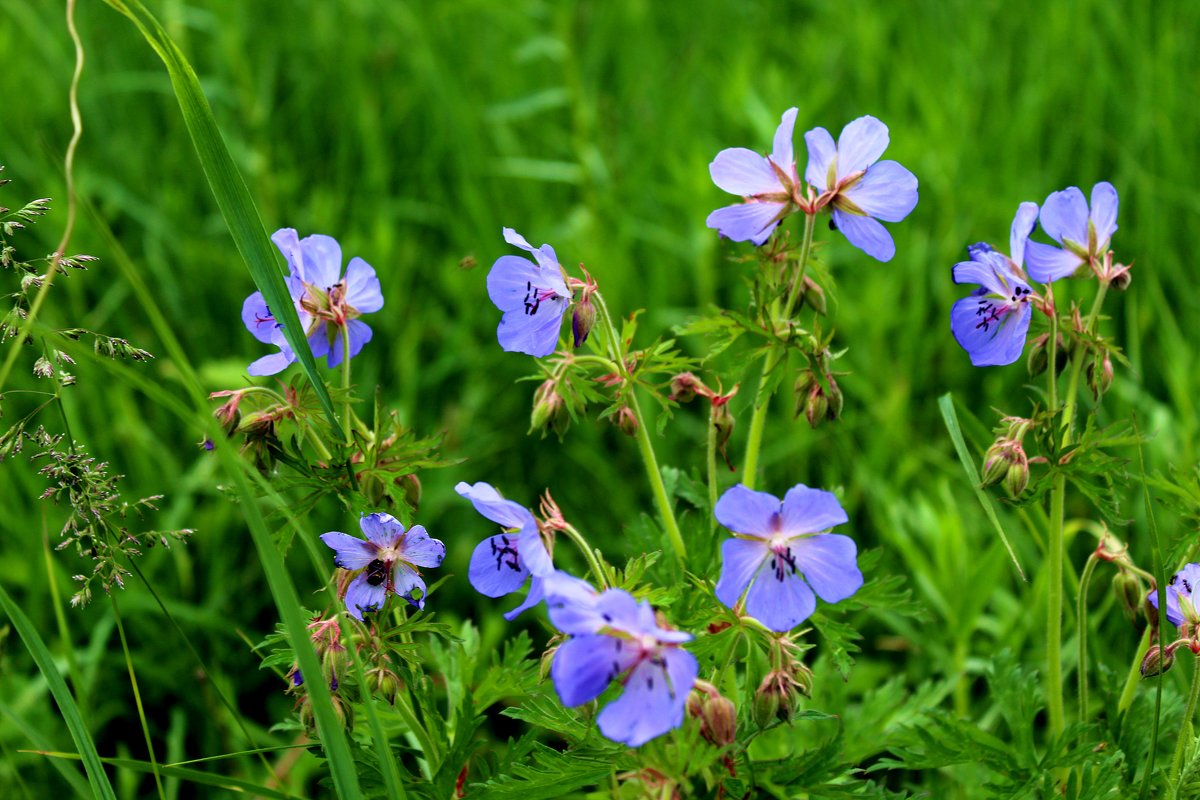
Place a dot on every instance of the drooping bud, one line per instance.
(685, 386)
(816, 409)
(813, 295)
(836, 400)
(228, 414)
(766, 707)
(626, 421)
(1121, 278)
(717, 714)
(411, 485)
(1017, 477)
(800, 389)
(1038, 358)
(549, 410)
(384, 682)
(1129, 591)
(1100, 375)
(1157, 661)
(583, 319)
(373, 489)
(775, 698)
(721, 418)
(995, 464)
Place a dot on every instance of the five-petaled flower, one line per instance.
(861, 189)
(780, 553)
(533, 296)
(992, 321)
(769, 185)
(327, 302)
(501, 563)
(1181, 601)
(614, 636)
(390, 555)
(1084, 235)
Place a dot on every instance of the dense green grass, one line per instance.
(414, 131)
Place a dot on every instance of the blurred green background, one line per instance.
(414, 131)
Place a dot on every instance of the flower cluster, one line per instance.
(327, 302)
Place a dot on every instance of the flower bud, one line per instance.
(1130, 592)
(717, 715)
(995, 464)
(775, 698)
(626, 421)
(549, 410)
(373, 489)
(765, 708)
(1121, 278)
(835, 399)
(1038, 358)
(384, 683)
(411, 485)
(802, 386)
(802, 676)
(1157, 661)
(583, 319)
(816, 409)
(685, 386)
(1017, 478)
(721, 418)
(1100, 375)
(813, 295)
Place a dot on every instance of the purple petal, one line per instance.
(572, 604)
(512, 279)
(866, 234)
(1046, 263)
(535, 335)
(808, 510)
(1022, 226)
(653, 701)
(382, 530)
(887, 191)
(617, 608)
(408, 584)
(781, 151)
(1065, 216)
(780, 603)
(860, 145)
(322, 260)
(359, 334)
(362, 596)
(584, 666)
(548, 260)
(977, 270)
(257, 318)
(1104, 212)
(829, 563)
(517, 240)
(743, 510)
(492, 505)
(822, 153)
(746, 222)
(997, 344)
(537, 591)
(743, 172)
(421, 549)
(269, 365)
(288, 242)
(349, 552)
(740, 561)
(495, 569)
(533, 551)
(318, 340)
(362, 287)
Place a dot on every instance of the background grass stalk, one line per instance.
(137, 697)
(777, 354)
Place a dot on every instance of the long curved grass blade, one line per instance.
(229, 189)
(237, 785)
(946, 405)
(40, 741)
(1160, 576)
(383, 750)
(62, 696)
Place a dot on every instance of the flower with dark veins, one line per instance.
(533, 296)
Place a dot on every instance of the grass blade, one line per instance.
(946, 405)
(236, 785)
(229, 189)
(62, 696)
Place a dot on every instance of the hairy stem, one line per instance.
(1185, 727)
(593, 563)
(1081, 621)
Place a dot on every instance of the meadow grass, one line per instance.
(413, 132)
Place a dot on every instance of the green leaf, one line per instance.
(62, 696)
(229, 189)
(946, 404)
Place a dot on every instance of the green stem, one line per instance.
(645, 446)
(1185, 727)
(137, 699)
(1068, 423)
(762, 396)
(1054, 547)
(1081, 620)
(1134, 677)
(404, 708)
(593, 563)
(387, 760)
(711, 462)
(346, 384)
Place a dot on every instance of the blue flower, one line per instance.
(861, 190)
(769, 185)
(325, 300)
(391, 556)
(991, 322)
(1180, 595)
(533, 296)
(780, 553)
(1084, 235)
(613, 636)
(501, 563)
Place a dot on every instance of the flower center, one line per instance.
(783, 561)
(534, 295)
(329, 304)
(377, 572)
(994, 307)
(505, 552)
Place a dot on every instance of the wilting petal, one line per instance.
(829, 563)
(382, 530)
(743, 172)
(821, 154)
(322, 261)
(1104, 212)
(741, 559)
(1022, 226)
(743, 510)
(781, 150)
(349, 552)
(421, 549)
(887, 191)
(258, 319)
(584, 666)
(408, 584)
(362, 287)
(537, 591)
(860, 145)
(866, 234)
(650, 705)
(495, 568)
(1046, 263)
(359, 334)
(746, 222)
(808, 510)
(362, 596)
(780, 603)
(996, 343)
(1065, 216)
